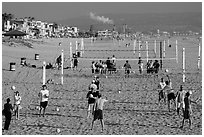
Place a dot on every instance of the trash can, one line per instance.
(37, 57)
(23, 61)
(78, 54)
(12, 66)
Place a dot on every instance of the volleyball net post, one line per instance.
(139, 48)
(184, 77)
(134, 46)
(155, 47)
(198, 56)
(164, 50)
(44, 73)
(147, 50)
(71, 65)
(76, 46)
(161, 56)
(62, 67)
(176, 51)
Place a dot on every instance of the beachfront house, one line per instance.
(105, 33)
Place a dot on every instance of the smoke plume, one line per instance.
(100, 19)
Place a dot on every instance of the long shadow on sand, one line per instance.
(137, 124)
(146, 112)
(63, 90)
(54, 114)
(43, 125)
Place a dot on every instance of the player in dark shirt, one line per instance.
(187, 110)
(7, 113)
(127, 68)
(91, 95)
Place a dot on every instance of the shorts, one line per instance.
(43, 104)
(98, 114)
(90, 107)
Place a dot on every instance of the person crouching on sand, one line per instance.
(44, 95)
(98, 111)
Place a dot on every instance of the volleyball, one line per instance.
(58, 130)
(13, 87)
(57, 109)
(166, 70)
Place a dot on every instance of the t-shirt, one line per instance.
(7, 108)
(90, 95)
(108, 63)
(99, 103)
(187, 103)
(162, 84)
(75, 61)
(127, 66)
(113, 59)
(97, 82)
(17, 100)
(44, 95)
(181, 97)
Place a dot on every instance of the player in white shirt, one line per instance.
(44, 95)
(17, 101)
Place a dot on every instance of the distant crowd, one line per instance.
(102, 67)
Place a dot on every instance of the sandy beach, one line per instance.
(133, 111)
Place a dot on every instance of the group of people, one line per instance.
(152, 67)
(181, 99)
(9, 109)
(102, 67)
(109, 65)
(95, 102)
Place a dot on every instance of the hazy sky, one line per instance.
(64, 10)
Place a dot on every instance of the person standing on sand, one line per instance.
(114, 60)
(91, 95)
(17, 107)
(180, 99)
(169, 92)
(162, 84)
(44, 95)
(140, 62)
(75, 60)
(127, 68)
(7, 112)
(98, 111)
(187, 110)
(97, 82)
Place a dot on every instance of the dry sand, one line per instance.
(133, 111)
